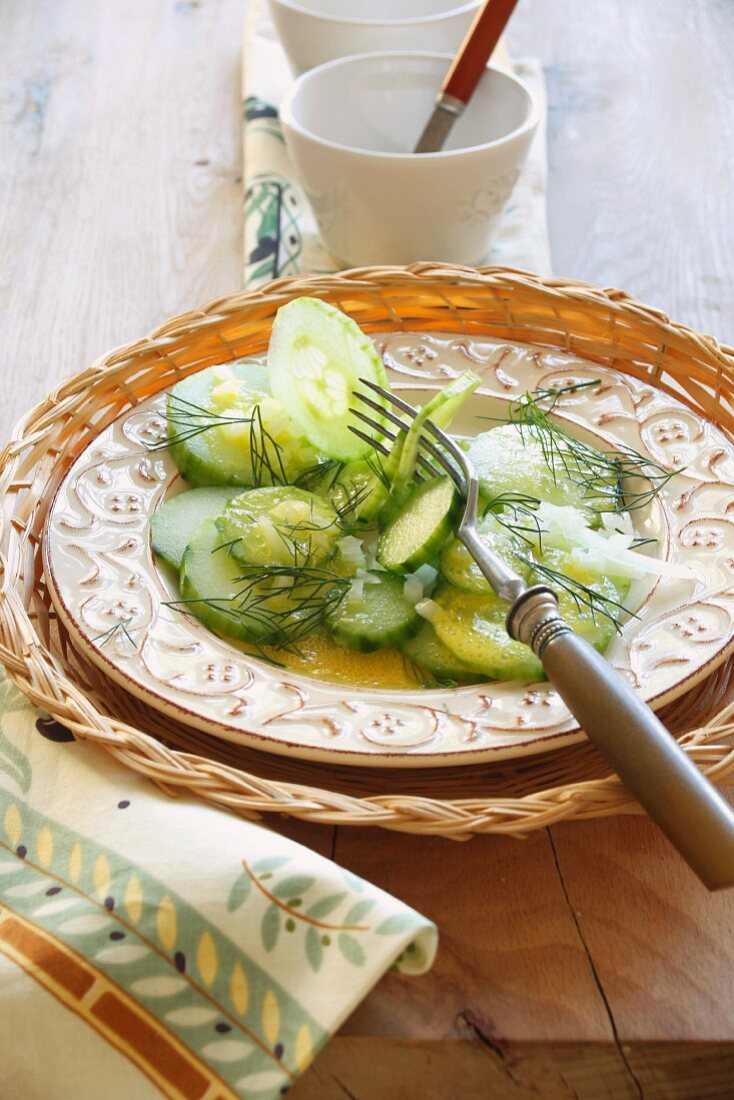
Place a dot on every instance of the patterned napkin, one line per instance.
(152, 946)
(281, 237)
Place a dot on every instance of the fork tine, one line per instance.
(455, 475)
(372, 442)
(381, 410)
(371, 424)
(386, 395)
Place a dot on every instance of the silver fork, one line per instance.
(688, 809)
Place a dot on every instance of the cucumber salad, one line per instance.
(302, 532)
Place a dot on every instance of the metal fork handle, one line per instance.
(689, 810)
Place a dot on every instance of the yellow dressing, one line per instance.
(320, 657)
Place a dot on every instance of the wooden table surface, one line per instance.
(586, 961)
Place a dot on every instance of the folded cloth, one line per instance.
(155, 946)
(281, 237)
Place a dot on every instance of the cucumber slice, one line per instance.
(277, 525)
(460, 569)
(381, 617)
(317, 356)
(174, 523)
(472, 625)
(209, 457)
(510, 460)
(441, 410)
(420, 528)
(598, 629)
(428, 652)
(213, 589)
(225, 429)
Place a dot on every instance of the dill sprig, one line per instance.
(120, 627)
(189, 420)
(321, 476)
(583, 595)
(278, 604)
(266, 454)
(516, 512)
(606, 477)
(193, 419)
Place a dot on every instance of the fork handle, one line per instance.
(689, 810)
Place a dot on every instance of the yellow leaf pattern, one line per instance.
(134, 899)
(304, 1047)
(165, 922)
(101, 876)
(206, 958)
(271, 1017)
(239, 989)
(75, 862)
(13, 824)
(45, 846)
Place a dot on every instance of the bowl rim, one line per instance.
(288, 120)
(354, 21)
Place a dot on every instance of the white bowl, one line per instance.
(316, 31)
(350, 126)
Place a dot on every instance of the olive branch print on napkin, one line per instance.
(294, 907)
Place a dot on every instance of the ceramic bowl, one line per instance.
(350, 126)
(315, 31)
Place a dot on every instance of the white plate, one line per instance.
(101, 574)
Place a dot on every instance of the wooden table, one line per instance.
(586, 961)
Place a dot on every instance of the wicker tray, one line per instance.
(605, 326)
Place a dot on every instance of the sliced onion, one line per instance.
(428, 609)
(413, 590)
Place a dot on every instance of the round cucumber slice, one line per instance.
(429, 653)
(472, 625)
(224, 428)
(510, 460)
(173, 524)
(597, 628)
(214, 589)
(316, 358)
(277, 525)
(460, 569)
(381, 617)
(420, 527)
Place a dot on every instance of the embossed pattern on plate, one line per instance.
(110, 595)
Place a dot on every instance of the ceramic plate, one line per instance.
(102, 576)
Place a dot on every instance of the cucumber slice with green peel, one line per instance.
(381, 616)
(175, 522)
(589, 622)
(219, 591)
(428, 652)
(420, 527)
(441, 410)
(472, 625)
(512, 461)
(316, 358)
(224, 428)
(279, 525)
(460, 569)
